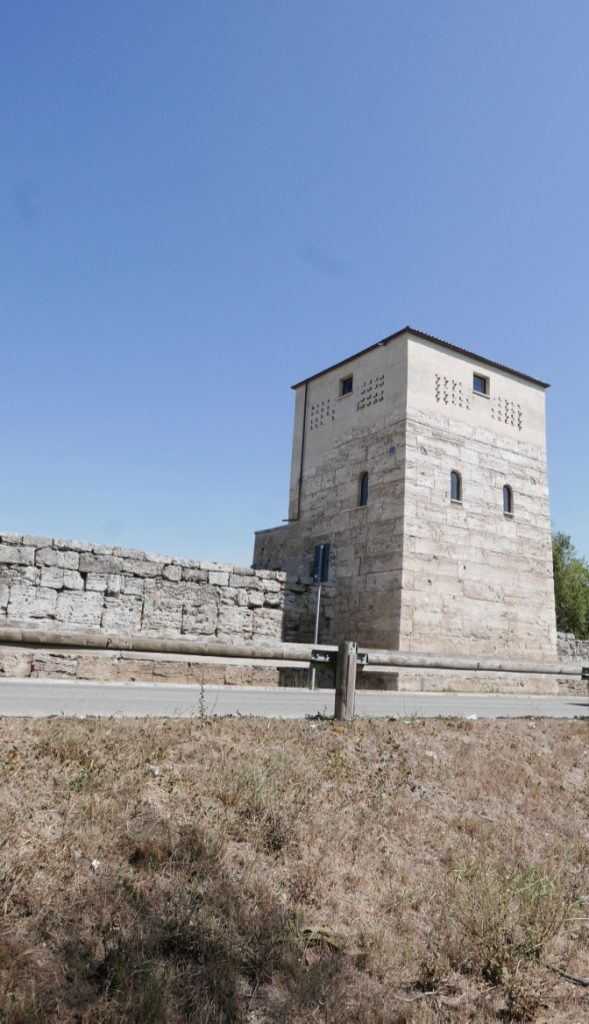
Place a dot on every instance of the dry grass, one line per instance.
(255, 872)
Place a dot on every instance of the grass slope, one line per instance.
(258, 871)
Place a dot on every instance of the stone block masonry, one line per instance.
(67, 589)
(424, 467)
(76, 585)
(571, 649)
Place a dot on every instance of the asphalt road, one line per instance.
(39, 698)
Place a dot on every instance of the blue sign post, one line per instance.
(320, 575)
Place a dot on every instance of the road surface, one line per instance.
(39, 698)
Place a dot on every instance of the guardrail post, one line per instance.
(345, 679)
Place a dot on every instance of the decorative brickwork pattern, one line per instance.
(504, 411)
(371, 392)
(320, 413)
(451, 392)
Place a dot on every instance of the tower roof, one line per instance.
(436, 341)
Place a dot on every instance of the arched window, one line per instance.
(363, 490)
(455, 486)
(508, 500)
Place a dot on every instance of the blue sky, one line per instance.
(202, 203)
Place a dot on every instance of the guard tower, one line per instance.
(423, 466)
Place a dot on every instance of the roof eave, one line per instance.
(437, 341)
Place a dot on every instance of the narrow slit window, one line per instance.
(455, 486)
(507, 500)
(363, 490)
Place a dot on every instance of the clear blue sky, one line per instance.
(203, 202)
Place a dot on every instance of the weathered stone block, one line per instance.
(122, 614)
(193, 574)
(170, 669)
(58, 559)
(69, 545)
(31, 602)
(20, 574)
(172, 572)
(17, 554)
(128, 553)
(35, 542)
(113, 584)
(220, 579)
(140, 567)
(99, 563)
(98, 666)
(15, 664)
(135, 667)
(54, 665)
(158, 559)
(96, 581)
(72, 580)
(249, 582)
(49, 576)
(267, 622)
(234, 622)
(161, 614)
(200, 620)
(136, 585)
(198, 593)
(208, 673)
(80, 609)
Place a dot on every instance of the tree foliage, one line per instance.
(571, 587)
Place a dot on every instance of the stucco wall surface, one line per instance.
(49, 583)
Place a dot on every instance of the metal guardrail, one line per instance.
(345, 658)
(329, 657)
(24, 636)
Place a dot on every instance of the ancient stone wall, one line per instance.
(72, 585)
(571, 649)
(76, 585)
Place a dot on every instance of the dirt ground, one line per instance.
(251, 872)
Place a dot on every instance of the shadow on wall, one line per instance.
(282, 550)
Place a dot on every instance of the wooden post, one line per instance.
(345, 680)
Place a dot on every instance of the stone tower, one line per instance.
(424, 467)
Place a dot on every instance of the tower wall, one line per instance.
(475, 580)
(414, 570)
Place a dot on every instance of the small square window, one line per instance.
(346, 385)
(480, 384)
